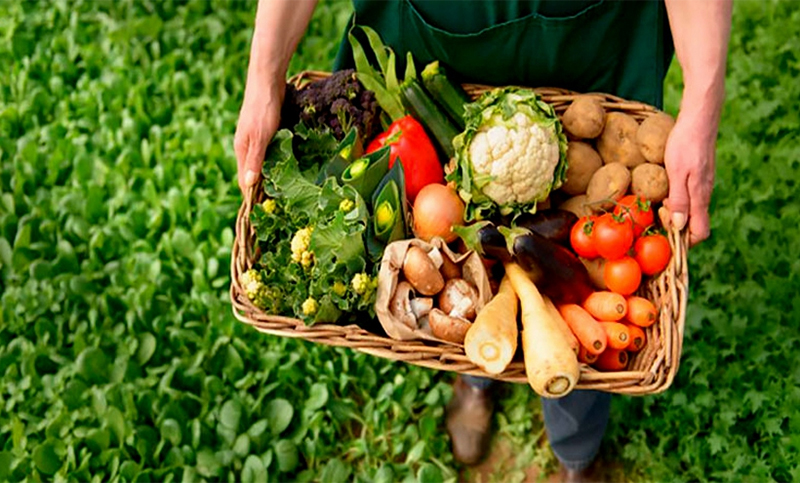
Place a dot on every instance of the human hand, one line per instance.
(690, 160)
(259, 119)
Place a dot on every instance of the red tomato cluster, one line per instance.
(621, 239)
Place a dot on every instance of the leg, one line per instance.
(469, 418)
(575, 426)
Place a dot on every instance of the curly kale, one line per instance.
(338, 102)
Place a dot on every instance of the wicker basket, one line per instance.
(650, 371)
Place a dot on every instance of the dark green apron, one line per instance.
(617, 47)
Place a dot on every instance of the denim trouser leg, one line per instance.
(477, 382)
(575, 426)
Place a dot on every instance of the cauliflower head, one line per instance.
(511, 154)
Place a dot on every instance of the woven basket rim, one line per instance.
(653, 369)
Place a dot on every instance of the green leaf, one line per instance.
(429, 473)
(171, 431)
(318, 396)
(287, 455)
(279, 414)
(6, 460)
(335, 471)
(116, 422)
(147, 347)
(416, 452)
(208, 464)
(384, 474)
(48, 456)
(93, 365)
(253, 470)
(231, 414)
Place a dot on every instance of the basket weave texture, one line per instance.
(650, 371)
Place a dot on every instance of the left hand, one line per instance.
(690, 160)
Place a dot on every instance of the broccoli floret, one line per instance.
(337, 102)
(310, 306)
(299, 245)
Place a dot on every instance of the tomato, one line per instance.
(613, 237)
(636, 209)
(622, 275)
(582, 237)
(652, 253)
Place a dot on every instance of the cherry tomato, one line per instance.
(652, 253)
(612, 237)
(582, 237)
(622, 275)
(636, 209)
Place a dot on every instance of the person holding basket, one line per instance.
(619, 48)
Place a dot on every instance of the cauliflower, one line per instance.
(270, 206)
(347, 205)
(310, 306)
(511, 154)
(300, 243)
(362, 283)
(258, 293)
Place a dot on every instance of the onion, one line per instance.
(437, 209)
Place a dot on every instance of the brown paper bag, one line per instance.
(390, 275)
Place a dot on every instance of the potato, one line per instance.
(652, 136)
(650, 182)
(617, 143)
(608, 184)
(584, 118)
(578, 205)
(582, 162)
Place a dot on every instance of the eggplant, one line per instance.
(553, 224)
(484, 238)
(556, 269)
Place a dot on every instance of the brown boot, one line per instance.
(469, 420)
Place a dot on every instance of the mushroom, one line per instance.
(421, 306)
(450, 269)
(421, 272)
(445, 327)
(459, 298)
(400, 307)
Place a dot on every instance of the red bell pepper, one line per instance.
(410, 142)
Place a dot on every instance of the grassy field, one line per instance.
(120, 359)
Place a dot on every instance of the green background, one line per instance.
(120, 359)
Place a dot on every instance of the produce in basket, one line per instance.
(511, 154)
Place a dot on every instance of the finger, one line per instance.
(678, 201)
(240, 148)
(253, 161)
(699, 228)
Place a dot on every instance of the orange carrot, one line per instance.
(586, 357)
(618, 335)
(611, 360)
(588, 331)
(606, 305)
(637, 338)
(641, 311)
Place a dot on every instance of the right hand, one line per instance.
(259, 119)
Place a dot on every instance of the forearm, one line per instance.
(700, 30)
(279, 26)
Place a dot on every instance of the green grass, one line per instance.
(119, 356)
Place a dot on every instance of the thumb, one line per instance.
(678, 202)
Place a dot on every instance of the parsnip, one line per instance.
(550, 364)
(492, 339)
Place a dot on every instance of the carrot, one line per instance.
(637, 339)
(618, 335)
(611, 360)
(562, 324)
(606, 305)
(588, 331)
(585, 356)
(491, 340)
(551, 366)
(641, 311)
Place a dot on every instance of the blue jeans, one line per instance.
(575, 424)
